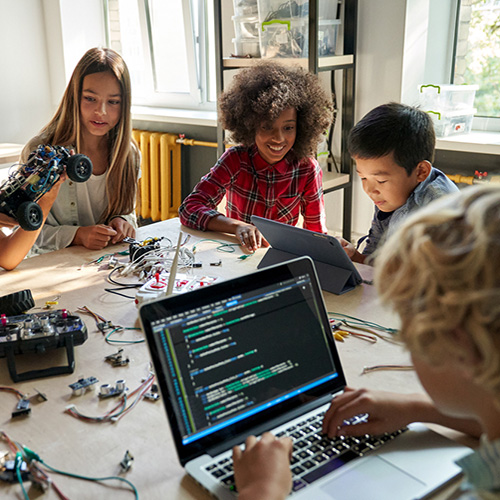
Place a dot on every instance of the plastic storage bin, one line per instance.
(284, 28)
(454, 122)
(444, 98)
(289, 38)
(246, 47)
(246, 8)
(247, 36)
(246, 27)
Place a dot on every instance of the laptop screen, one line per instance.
(250, 346)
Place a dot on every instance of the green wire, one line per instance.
(223, 246)
(359, 322)
(109, 341)
(18, 463)
(31, 455)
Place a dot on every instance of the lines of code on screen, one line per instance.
(238, 356)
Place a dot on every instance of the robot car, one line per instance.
(21, 190)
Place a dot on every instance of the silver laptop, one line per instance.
(256, 354)
(337, 274)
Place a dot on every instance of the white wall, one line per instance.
(35, 61)
(25, 93)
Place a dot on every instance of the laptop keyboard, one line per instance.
(314, 454)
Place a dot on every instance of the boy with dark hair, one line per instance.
(393, 147)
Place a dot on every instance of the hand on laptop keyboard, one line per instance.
(387, 412)
(262, 469)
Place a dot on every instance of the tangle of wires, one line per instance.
(22, 464)
(147, 258)
(365, 330)
(124, 406)
(108, 328)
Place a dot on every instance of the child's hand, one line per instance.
(349, 248)
(263, 470)
(250, 237)
(122, 228)
(387, 412)
(351, 251)
(47, 200)
(94, 237)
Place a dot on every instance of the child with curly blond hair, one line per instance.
(440, 273)
(276, 115)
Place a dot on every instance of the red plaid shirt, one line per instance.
(253, 187)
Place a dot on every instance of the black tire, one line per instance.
(16, 303)
(79, 168)
(29, 215)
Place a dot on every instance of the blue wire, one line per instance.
(46, 180)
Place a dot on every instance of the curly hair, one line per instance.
(441, 273)
(261, 93)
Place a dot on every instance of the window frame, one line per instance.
(480, 123)
(429, 52)
(196, 97)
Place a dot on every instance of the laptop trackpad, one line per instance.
(364, 479)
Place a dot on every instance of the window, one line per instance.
(477, 53)
(167, 46)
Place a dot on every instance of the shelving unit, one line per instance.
(332, 181)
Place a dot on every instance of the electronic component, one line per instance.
(117, 359)
(81, 386)
(8, 471)
(126, 462)
(137, 249)
(152, 395)
(109, 392)
(113, 262)
(22, 408)
(41, 396)
(183, 283)
(37, 333)
(103, 326)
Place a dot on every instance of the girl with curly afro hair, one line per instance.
(276, 115)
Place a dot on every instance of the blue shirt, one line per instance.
(482, 472)
(384, 224)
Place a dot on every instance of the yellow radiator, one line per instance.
(160, 183)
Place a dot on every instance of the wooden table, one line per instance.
(96, 449)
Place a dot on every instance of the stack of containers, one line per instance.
(246, 28)
(277, 28)
(450, 106)
(284, 28)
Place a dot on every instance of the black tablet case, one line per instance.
(337, 274)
